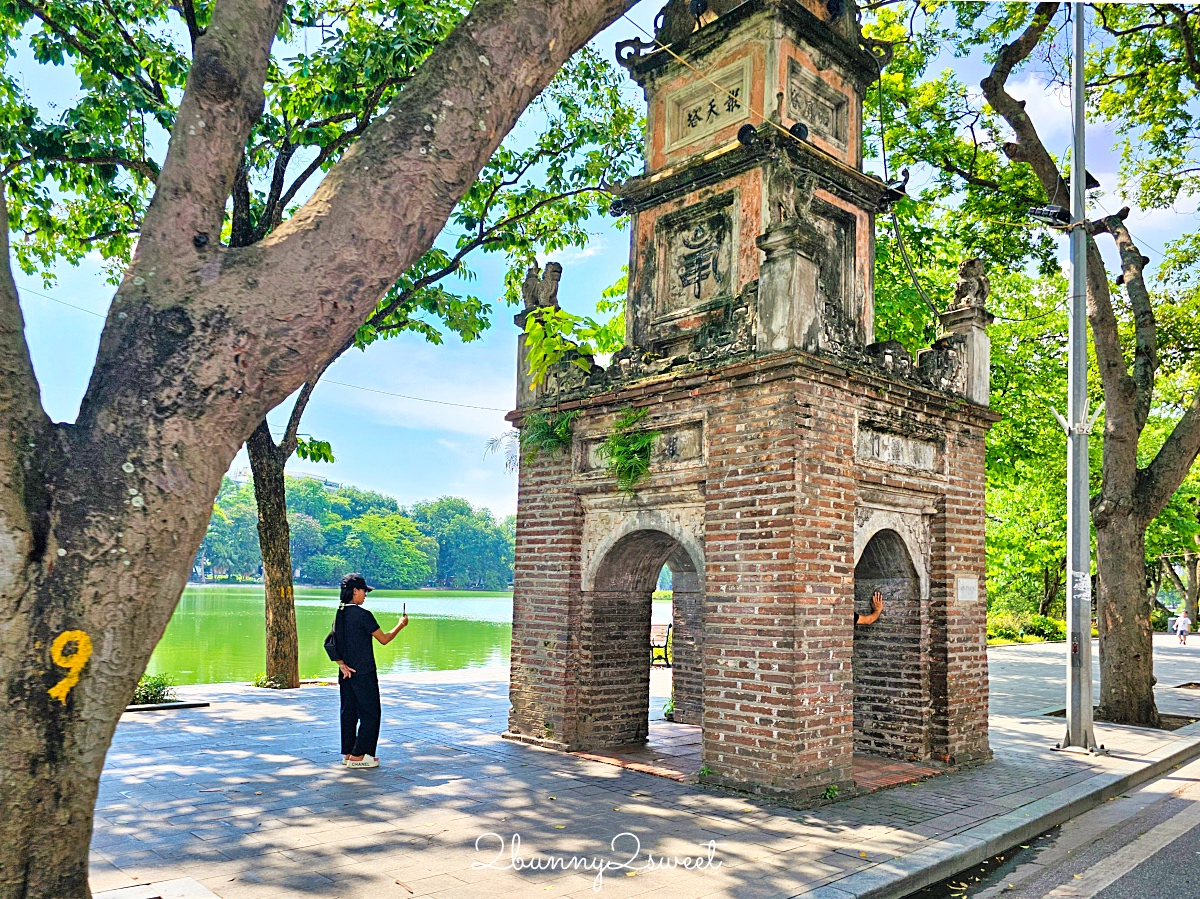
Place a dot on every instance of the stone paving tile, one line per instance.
(247, 797)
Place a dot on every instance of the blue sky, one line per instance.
(417, 450)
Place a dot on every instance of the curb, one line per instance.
(163, 706)
(937, 861)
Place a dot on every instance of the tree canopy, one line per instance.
(338, 529)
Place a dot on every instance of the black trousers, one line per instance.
(361, 713)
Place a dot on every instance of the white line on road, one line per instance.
(1125, 860)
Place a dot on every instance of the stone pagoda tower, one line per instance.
(798, 467)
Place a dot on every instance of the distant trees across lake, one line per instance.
(444, 542)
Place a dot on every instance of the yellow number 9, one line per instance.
(73, 663)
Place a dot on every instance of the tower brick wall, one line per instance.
(799, 465)
(782, 470)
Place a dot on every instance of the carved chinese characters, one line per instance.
(708, 106)
(697, 255)
(825, 110)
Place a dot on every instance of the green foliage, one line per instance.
(314, 450)
(830, 792)
(338, 529)
(307, 538)
(264, 682)
(547, 432)
(388, 546)
(230, 547)
(669, 709)
(706, 771)
(1159, 619)
(325, 569)
(627, 450)
(474, 550)
(1022, 627)
(153, 689)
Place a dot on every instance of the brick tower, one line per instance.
(798, 467)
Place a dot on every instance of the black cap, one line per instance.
(355, 581)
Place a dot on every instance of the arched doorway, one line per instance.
(891, 689)
(614, 656)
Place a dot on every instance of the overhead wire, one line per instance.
(403, 396)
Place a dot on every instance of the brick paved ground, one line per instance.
(247, 797)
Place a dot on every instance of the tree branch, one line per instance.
(1174, 575)
(222, 100)
(144, 167)
(241, 227)
(1183, 26)
(977, 181)
(483, 238)
(273, 208)
(188, 8)
(339, 142)
(1161, 478)
(151, 88)
(1145, 357)
(291, 434)
(132, 45)
(1029, 147)
(22, 424)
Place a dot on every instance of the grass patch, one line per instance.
(153, 689)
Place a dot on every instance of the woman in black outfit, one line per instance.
(358, 680)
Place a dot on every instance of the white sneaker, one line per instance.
(368, 761)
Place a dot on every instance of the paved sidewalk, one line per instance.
(247, 798)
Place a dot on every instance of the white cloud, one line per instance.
(567, 255)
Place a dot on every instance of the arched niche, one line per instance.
(614, 657)
(890, 659)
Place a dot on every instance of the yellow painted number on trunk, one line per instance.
(73, 662)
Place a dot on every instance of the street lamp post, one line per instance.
(1079, 556)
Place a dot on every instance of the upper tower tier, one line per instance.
(753, 224)
(786, 60)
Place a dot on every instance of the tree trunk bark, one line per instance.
(100, 520)
(1051, 583)
(1126, 637)
(1191, 562)
(274, 539)
(48, 800)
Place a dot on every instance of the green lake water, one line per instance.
(216, 633)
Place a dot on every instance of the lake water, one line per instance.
(216, 633)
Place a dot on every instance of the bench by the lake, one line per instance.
(660, 634)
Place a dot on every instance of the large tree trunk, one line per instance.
(1126, 637)
(100, 520)
(1191, 563)
(274, 539)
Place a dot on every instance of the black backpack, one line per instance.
(331, 640)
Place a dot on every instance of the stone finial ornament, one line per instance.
(541, 288)
(973, 285)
